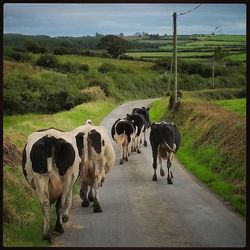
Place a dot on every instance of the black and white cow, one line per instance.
(97, 160)
(145, 113)
(165, 140)
(139, 124)
(123, 133)
(50, 164)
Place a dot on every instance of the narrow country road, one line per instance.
(138, 212)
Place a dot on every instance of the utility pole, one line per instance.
(175, 57)
(213, 71)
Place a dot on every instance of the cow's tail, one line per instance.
(89, 122)
(55, 183)
(86, 149)
(170, 149)
(124, 139)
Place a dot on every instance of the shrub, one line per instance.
(19, 56)
(84, 67)
(107, 67)
(48, 93)
(48, 60)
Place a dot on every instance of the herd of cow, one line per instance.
(53, 160)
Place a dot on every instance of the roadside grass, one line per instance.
(202, 158)
(18, 127)
(158, 109)
(22, 214)
(200, 162)
(236, 105)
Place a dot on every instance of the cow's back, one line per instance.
(165, 131)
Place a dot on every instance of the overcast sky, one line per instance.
(87, 19)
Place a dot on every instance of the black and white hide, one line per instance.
(165, 140)
(145, 113)
(98, 159)
(50, 164)
(123, 133)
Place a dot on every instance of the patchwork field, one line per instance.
(195, 47)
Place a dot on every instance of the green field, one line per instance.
(169, 54)
(236, 105)
(196, 47)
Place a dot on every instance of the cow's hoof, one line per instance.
(47, 237)
(145, 144)
(126, 158)
(154, 177)
(169, 181)
(121, 162)
(162, 173)
(59, 228)
(138, 151)
(65, 218)
(85, 203)
(82, 194)
(97, 207)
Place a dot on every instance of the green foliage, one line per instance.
(19, 56)
(115, 45)
(46, 93)
(22, 213)
(48, 60)
(32, 46)
(107, 67)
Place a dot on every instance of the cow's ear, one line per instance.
(128, 116)
(148, 108)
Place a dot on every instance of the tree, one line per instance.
(115, 45)
(219, 53)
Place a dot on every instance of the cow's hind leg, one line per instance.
(90, 194)
(126, 152)
(145, 141)
(170, 176)
(96, 204)
(59, 226)
(162, 173)
(154, 150)
(83, 195)
(43, 194)
(122, 152)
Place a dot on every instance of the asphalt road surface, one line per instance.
(138, 212)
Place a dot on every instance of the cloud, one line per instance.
(87, 19)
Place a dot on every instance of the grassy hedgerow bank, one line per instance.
(213, 144)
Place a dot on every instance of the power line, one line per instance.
(189, 10)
